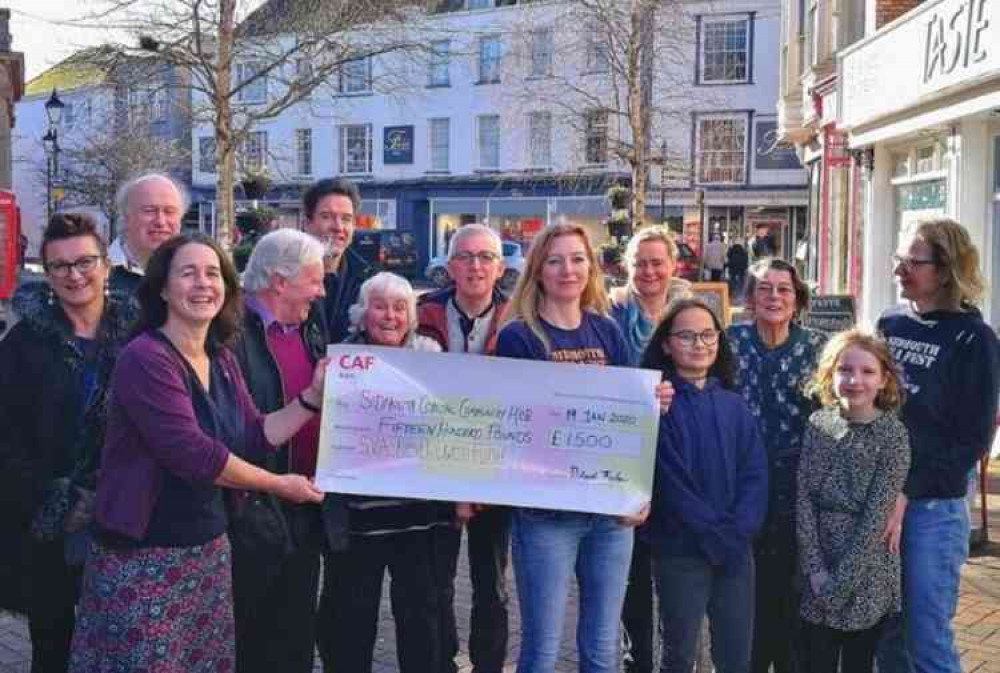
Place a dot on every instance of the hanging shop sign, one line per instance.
(397, 142)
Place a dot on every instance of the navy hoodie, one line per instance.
(710, 489)
(951, 366)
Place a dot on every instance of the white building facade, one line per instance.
(502, 121)
(116, 122)
(922, 96)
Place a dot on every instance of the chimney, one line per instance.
(887, 11)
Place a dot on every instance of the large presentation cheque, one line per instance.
(398, 422)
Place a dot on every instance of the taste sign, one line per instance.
(955, 38)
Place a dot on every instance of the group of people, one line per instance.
(161, 419)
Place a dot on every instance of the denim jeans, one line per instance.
(689, 588)
(548, 548)
(935, 545)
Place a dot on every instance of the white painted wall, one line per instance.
(675, 95)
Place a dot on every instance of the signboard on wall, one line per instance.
(938, 49)
(397, 143)
(768, 154)
(716, 295)
(835, 148)
(830, 313)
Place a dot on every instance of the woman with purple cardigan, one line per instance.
(157, 590)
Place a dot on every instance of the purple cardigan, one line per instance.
(152, 429)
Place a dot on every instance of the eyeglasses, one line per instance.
(83, 266)
(766, 289)
(484, 257)
(708, 337)
(908, 263)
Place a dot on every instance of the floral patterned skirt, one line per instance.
(156, 610)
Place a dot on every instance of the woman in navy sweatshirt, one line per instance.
(709, 494)
(951, 364)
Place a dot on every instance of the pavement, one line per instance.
(977, 623)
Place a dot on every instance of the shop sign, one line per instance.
(768, 154)
(940, 47)
(397, 142)
(830, 313)
(835, 153)
(955, 38)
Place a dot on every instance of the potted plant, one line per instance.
(256, 181)
(618, 196)
(252, 224)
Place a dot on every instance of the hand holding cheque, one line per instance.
(488, 430)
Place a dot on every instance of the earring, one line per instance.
(51, 298)
(107, 288)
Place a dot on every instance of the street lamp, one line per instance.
(53, 110)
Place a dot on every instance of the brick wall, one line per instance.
(887, 11)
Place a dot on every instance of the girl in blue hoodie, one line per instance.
(709, 495)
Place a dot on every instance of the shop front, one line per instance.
(932, 125)
(516, 219)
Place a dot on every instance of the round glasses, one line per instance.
(708, 337)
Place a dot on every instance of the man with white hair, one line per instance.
(277, 545)
(464, 318)
(151, 207)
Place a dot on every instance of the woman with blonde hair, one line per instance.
(951, 365)
(559, 314)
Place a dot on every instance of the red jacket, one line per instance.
(432, 317)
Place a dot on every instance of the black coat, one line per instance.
(298, 525)
(40, 406)
(342, 289)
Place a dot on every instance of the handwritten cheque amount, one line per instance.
(460, 428)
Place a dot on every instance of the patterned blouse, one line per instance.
(771, 381)
(849, 477)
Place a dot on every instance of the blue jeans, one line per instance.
(690, 588)
(935, 545)
(548, 548)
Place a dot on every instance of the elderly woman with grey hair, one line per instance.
(775, 357)
(391, 534)
(276, 544)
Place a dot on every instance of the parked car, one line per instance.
(688, 265)
(513, 261)
(394, 251)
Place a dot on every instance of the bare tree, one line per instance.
(235, 49)
(610, 56)
(119, 127)
(93, 167)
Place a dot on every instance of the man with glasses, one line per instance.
(464, 318)
(330, 207)
(151, 206)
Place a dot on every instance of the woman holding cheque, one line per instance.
(157, 594)
(559, 314)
